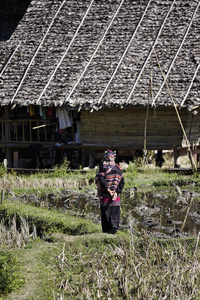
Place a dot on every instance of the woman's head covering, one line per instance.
(110, 154)
(109, 159)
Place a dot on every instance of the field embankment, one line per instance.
(49, 254)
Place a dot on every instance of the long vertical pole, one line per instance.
(179, 118)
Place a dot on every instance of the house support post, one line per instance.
(84, 157)
(191, 159)
(8, 152)
(176, 159)
(91, 159)
(2, 196)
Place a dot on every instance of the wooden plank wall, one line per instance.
(124, 128)
(193, 128)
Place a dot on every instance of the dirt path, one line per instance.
(36, 270)
(37, 263)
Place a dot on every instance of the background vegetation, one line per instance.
(49, 254)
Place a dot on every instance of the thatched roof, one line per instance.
(92, 54)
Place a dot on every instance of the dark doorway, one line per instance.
(11, 12)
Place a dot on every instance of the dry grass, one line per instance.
(102, 267)
(144, 269)
(13, 237)
(12, 182)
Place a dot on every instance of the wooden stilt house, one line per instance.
(77, 77)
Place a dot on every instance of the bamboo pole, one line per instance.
(150, 53)
(197, 243)
(94, 53)
(65, 53)
(145, 125)
(23, 131)
(125, 51)
(191, 83)
(37, 50)
(179, 118)
(185, 219)
(38, 134)
(30, 131)
(2, 130)
(178, 51)
(16, 133)
(10, 58)
(45, 134)
(44, 125)
(2, 196)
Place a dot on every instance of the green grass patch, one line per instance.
(47, 221)
(10, 275)
(72, 259)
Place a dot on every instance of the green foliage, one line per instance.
(46, 221)
(196, 174)
(96, 265)
(3, 170)
(60, 177)
(10, 277)
(61, 170)
(132, 168)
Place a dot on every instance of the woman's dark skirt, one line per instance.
(110, 218)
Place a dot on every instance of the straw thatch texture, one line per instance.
(172, 27)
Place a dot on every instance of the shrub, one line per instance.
(3, 170)
(10, 278)
(61, 170)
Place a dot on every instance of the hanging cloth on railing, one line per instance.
(63, 118)
(31, 110)
(50, 112)
(43, 112)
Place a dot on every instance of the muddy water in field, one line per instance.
(171, 215)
